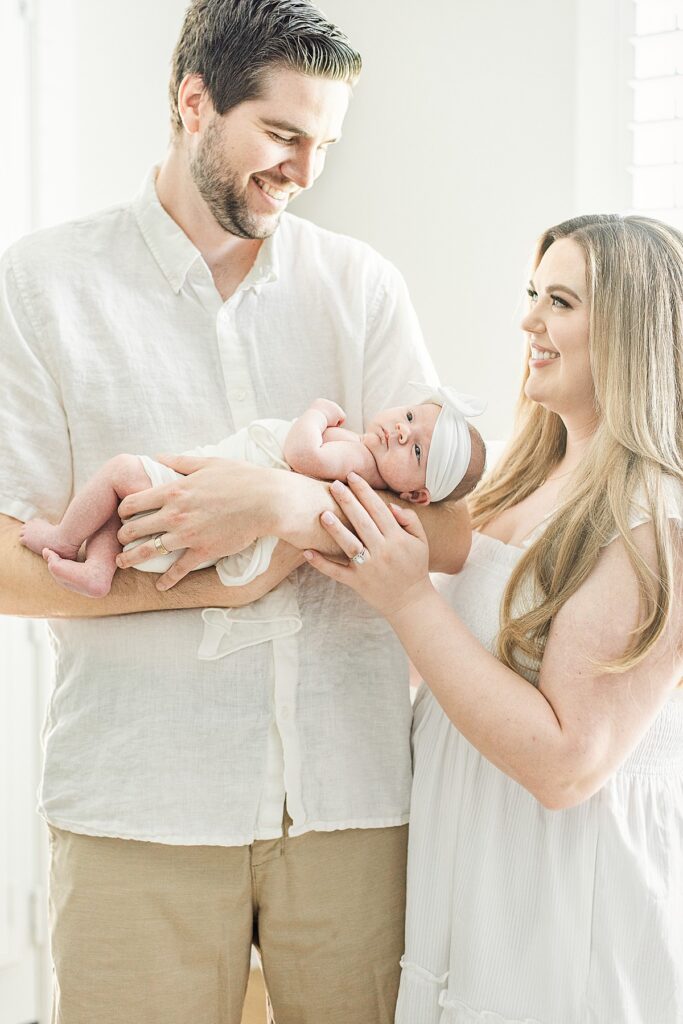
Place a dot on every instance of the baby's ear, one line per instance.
(421, 497)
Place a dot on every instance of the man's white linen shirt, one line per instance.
(115, 339)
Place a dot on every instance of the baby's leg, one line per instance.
(91, 516)
(89, 510)
(93, 576)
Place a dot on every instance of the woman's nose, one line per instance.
(532, 323)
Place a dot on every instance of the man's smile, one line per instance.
(277, 194)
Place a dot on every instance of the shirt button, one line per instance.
(238, 395)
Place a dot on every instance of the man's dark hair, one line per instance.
(232, 43)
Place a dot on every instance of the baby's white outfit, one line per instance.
(521, 915)
(275, 614)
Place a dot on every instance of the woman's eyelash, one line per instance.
(555, 299)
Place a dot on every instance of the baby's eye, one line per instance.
(418, 452)
(409, 416)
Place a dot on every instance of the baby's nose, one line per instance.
(402, 432)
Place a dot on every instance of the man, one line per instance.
(197, 806)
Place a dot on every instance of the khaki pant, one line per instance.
(157, 934)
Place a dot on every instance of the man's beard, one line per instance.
(220, 189)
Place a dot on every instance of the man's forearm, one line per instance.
(302, 501)
(449, 532)
(27, 589)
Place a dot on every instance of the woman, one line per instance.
(545, 863)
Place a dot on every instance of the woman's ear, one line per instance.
(421, 497)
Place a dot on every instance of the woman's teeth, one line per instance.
(539, 353)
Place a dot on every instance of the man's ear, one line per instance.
(192, 98)
(421, 497)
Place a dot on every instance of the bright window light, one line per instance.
(657, 125)
(15, 177)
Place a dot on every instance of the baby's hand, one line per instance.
(333, 413)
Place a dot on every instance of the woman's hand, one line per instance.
(394, 574)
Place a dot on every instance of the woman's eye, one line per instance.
(532, 294)
(559, 303)
(409, 416)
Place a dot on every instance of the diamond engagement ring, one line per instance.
(360, 557)
(160, 546)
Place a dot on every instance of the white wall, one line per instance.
(459, 150)
(101, 76)
(463, 143)
(24, 969)
(474, 126)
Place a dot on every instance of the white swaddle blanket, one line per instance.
(275, 614)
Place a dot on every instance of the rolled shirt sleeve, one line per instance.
(35, 460)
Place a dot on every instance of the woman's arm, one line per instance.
(26, 587)
(564, 739)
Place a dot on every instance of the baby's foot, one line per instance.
(93, 579)
(38, 534)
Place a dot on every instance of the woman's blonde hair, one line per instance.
(634, 271)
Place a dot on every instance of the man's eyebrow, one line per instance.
(558, 288)
(285, 126)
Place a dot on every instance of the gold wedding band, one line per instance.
(160, 546)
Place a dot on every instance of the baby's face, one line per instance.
(399, 441)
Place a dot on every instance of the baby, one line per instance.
(423, 452)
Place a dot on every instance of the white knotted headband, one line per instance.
(450, 450)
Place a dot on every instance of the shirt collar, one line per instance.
(173, 250)
(266, 265)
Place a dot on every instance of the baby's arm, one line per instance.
(318, 446)
(306, 433)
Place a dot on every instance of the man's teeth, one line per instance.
(539, 353)
(274, 193)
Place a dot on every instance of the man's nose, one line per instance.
(302, 167)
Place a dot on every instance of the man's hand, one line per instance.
(220, 508)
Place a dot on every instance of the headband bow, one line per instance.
(450, 450)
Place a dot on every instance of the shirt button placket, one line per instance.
(235, 364)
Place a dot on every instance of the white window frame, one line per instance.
(656, 125)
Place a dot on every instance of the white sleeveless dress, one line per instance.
(521, 915)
